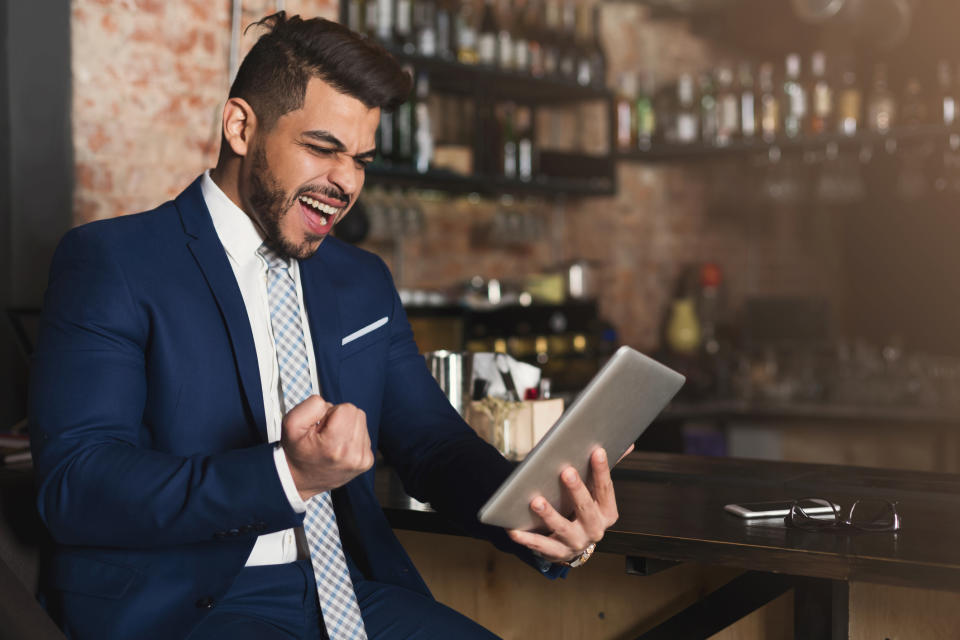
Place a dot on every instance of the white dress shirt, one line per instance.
(241, 239)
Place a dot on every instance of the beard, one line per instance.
(271, 205)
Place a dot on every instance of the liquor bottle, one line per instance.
(584, 47)
(355, 15)
(728, 112)
(644, 113)
(425, 27)
(948, 98)
(598, 59)
(465, 34)
(403, 27)
(534, 34)
(521, 46)
(748, 113)
(626, 115)
(508, 147)
(795, 98)
(913, 110)
(526, 154)
(688, 122)
(822, 95)
(385, 147)
(423, 135)
(404, 127)
(550, 40)
(487, 38)
(568, 41)
(446, 47)
(881, 105)
(769, 105)
(709, 121)
(849, 102)
(371, 17)
(505, 51)
(385, 22)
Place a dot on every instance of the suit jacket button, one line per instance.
(220, 535)
(234, 532)
(205, 603)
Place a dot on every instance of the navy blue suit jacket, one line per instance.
(148, 428)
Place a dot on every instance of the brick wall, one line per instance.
(150, 78)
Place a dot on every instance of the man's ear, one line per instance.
(239, 123)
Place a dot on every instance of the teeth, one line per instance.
(319, 206)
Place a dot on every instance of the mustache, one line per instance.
(326, 190)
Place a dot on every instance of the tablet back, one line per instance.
(612, 411)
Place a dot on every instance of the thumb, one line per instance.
(308, 415)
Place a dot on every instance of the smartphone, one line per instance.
(778, 508)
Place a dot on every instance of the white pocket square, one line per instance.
(362, 332)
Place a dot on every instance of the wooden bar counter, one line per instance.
(677, 565)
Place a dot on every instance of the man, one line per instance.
(214, 375)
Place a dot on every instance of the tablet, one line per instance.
(612, 411)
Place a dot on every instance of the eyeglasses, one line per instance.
(864, 515)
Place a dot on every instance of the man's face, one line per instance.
(306, 172)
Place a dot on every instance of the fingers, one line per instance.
(603, 486)
(587, 513)
(345, 433)
(302, 418)
(550, 548)
(625, 454)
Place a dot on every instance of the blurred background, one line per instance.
(761, 193)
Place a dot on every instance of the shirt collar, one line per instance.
(238, 234)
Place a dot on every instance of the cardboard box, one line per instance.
(522, 428)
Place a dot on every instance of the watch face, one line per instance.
(817, 10)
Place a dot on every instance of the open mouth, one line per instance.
(319, 216)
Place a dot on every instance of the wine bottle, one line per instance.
(948, 98)
(466, 34)
(521, 46)
(822, 111)
(748, 108)
(881, 105)
(487, 38)
(534, 33)
(403, 27)
(425, 27)
(505, 50)
(568, 41)
(598, 59)
(423, 135)
(526, 152)
(728, 112)
(769, 104)
(794, 98)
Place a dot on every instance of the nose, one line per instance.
(346, 175)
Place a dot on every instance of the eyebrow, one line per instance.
(325, 136)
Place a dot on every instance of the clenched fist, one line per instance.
(326, 445)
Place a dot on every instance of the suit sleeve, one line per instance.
(438, 457)
(99, 483)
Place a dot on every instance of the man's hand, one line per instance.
(595, 510)
(326, 445)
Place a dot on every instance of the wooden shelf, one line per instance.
(819, 143)
(450, 76)
(443, 180)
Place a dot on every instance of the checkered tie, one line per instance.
(338, 602)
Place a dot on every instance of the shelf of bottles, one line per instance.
(762, 110)
(482, 74)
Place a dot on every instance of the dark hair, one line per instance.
(273, 76)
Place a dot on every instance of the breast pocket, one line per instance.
(364, 337)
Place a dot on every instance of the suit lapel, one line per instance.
(213, 262)
(323, 314)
